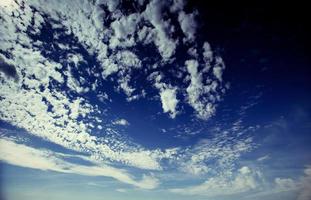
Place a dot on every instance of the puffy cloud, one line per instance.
(177, 5)
(162, 40)
(188, 24)
(167, 95)
(205, 87)
(207, 52)
(124, 28)
(122, 122)
(218, 69)
(169, 101)
(204, 108)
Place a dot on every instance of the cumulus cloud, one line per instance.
(169, 101)
(153, 13)
(204, 90)
(204, 108)
(167, 94)
(188, 24)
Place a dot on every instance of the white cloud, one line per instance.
(177, 5)
(215, 155)
(122, 122)
(67, 117)
(162, 40)
(243, 181)
(285, 184)
(121, 190)
(8, 4)
(204, 108)
(167, 95)
(207, 52)
(205, 89)
(123, 28)
(81, 18)
(40, 107)
(263, 158)
(188, 24)
(169, 101)
(25, 156)
(111, 4)
(128, 59)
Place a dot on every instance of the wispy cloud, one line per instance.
(26, 156)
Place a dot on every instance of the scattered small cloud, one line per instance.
(122, 190)
(263, 158)
(121, 122)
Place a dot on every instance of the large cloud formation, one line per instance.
(49, 99)
(55, 54)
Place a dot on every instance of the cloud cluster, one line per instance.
(62, 51)
(38, 104)
(202, 94)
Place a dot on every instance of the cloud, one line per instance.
(305, 191)
(243, 181)
(167, 94)
(121, 190)
(205, 88)
(285, 184)
(169, 101)
(61, 116)
(207, 53)
(122, 122)
(25, 156)
(8, 4)
(52, 99)
(162, 40)
(218, 69)
(124, 28)
(204, 108)
(263, 158)
(177, 5)
(188, 24)
(215, 155)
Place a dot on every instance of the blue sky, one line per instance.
(153, 100)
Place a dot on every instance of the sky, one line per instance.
(153, 100)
